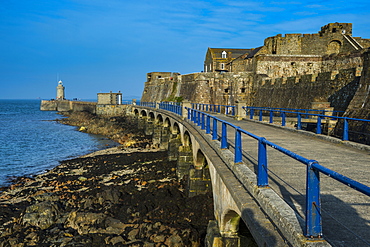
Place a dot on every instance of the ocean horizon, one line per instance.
(31, 142)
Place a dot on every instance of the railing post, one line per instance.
(283, 118)
(299, 121)
(198, 118)
(271, 116)
(313, 207)
(251, 113)
(203, 122)
(262, 174)
(238, 146)
(318, 126)
(345, 129)
(260, 115)
(208, 125)
(214, 129)
(224, 136)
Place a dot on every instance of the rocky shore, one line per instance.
(123, 196)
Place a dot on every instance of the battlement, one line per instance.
(158, 75)
(333, 38)
(343, 28)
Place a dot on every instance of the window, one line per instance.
(222, 66)
(242, 90)
(223, 54)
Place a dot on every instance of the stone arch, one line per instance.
(199, 175)
(234, 226)
(230, 223)
(159, 119)
(174, 142)
(175, 129)
(185, 159)
(151, 117)
(186, 139)
(167, 122)
(143, 113)
(334, 47)
(200, 161)
(136, 112)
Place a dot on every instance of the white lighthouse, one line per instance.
(60, 91)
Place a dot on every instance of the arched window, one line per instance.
(334, 47)
(223, 54)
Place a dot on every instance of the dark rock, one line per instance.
(106, 200)
(42, 214)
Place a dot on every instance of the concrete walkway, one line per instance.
(345, 212)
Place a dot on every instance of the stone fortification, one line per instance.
(291, 71)
(214, 88)
(332, 38)
(333, 79)
(67, 105)
(359, 107)
(336, 87)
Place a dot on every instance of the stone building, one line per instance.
(110, 98)
(218, 59)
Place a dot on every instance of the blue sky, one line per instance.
(109, 45)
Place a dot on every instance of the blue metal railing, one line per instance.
(147, 104)
(313, 222)
(174, 107)
(209, 123)
(225, 109)
(274, 112)
(303, 111)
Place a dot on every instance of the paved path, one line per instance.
(345, 212)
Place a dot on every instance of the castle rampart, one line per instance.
(336, 87)
(291, 71)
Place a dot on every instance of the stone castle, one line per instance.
(290, 71)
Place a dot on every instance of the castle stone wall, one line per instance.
(359, 107)
(213, 88)
(300, 91)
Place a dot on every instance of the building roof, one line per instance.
(217, 52)
(253, 52)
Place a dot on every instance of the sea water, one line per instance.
(31, 142)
